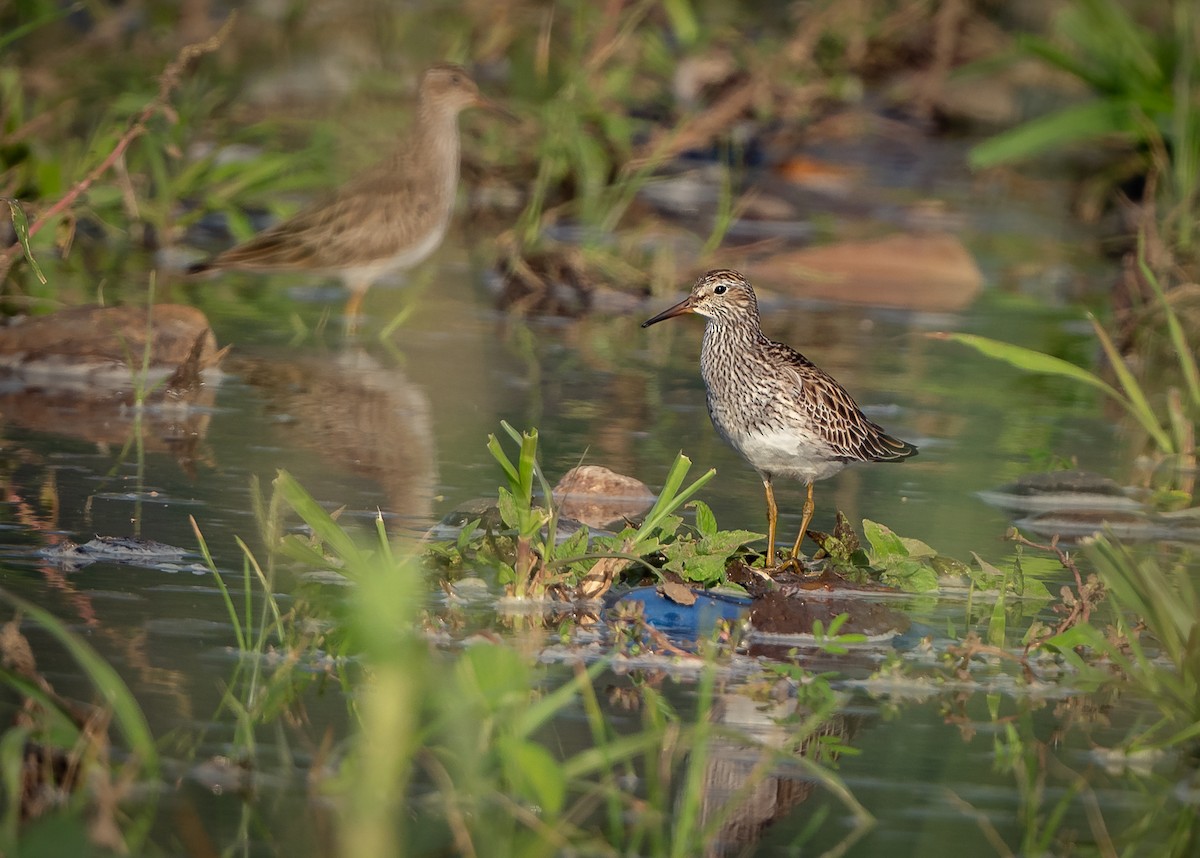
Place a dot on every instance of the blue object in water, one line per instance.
(686, 622)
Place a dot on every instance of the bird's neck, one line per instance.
(726, 342)
(436, 133)
(734, 334)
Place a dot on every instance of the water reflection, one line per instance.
(359, 415)
(750, 787)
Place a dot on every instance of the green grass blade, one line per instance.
(238, 631)
(528, 467)
(1071, 125)
(510, 472)
(1139, 407)
(670, 498)
(107, 682)
(268, 595)
(321, 522)
(522, 441)
(1032, 361)
(1184, 350)
(21, 226)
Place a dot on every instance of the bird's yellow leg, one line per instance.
(354, 307)
(772, 519)
(806, 518)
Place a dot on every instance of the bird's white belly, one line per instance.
(404, 259)
(787, 454)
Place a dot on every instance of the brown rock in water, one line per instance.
(931, 272)
(76, 371)
(597, 496)
(110, 341)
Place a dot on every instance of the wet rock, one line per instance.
(113, 549)
(99, 346)
(1128, 525)
(931, 272)
(77, 373)
(1062, 490)
(598, 496)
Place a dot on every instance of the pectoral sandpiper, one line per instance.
(388, 218)
(772, 404)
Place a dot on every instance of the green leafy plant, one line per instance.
(585, 573)
(55, 763)
(1163, 661)
(476, 724)
(703, 560)
(1143, 85)
(518, 510)
(1170, 426)
(897, 561)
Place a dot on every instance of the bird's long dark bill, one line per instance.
(684, 306)
(497, 108)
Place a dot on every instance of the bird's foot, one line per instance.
(794, 564)
(772, 565)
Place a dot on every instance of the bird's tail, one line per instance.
(203, 267)
(891, 449)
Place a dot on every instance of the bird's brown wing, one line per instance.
(373, 217)
(834, 414)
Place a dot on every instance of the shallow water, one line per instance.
(400, 428)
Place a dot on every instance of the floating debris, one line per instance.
(683, 622)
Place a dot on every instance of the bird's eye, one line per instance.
(720, 290)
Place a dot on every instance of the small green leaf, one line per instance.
(509, 513)
(916, 548)
(574, 545)
(997, 625)
(706, 521)
(700, 568)
(534, 774)
(911, 576)
(885, 545)
(1018, 577)
(988, 577)
(21, 227)
(464, 535)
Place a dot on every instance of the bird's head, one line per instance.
(721, 295)
(446, 87)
